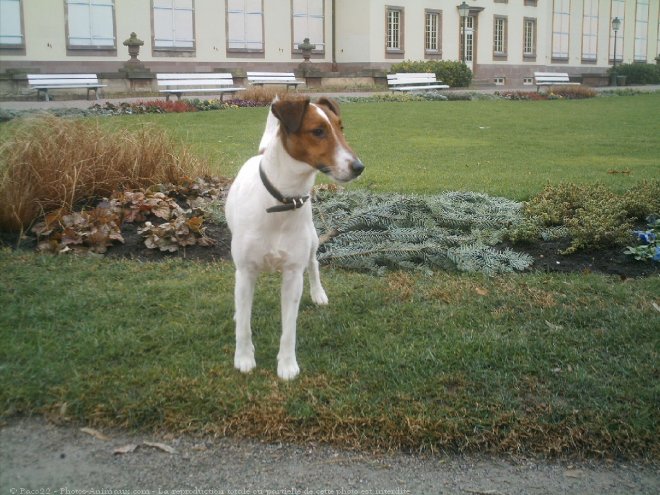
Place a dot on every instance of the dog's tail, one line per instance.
(272, 128)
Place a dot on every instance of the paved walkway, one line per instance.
(84, 104)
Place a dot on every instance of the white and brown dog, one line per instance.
(270, 215)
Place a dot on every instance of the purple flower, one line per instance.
(656, 257)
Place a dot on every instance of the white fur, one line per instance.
(283, 241)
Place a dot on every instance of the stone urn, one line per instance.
(133, 43)
(306, 48)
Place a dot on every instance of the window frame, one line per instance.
(392, 51)
(561, 34)
(589, 32)
(91, 49)
(428, 35)
(639, 39)
(617, 9)
(15, 48)
(500, 36)
(529, 55)
(295, 42)
(245, 51)
(173, 51)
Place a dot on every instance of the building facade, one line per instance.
(503, 41)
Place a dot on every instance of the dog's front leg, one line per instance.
(243, 296)
(292, 287)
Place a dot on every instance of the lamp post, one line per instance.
(616, 25)
(464, 11)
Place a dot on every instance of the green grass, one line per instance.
(532, 364)
(502, 148)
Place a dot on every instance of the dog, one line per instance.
(269, 213)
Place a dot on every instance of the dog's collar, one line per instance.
(288, 203)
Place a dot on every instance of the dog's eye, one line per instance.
(319, 132)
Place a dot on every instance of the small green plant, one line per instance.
(649, 247)
(592, 216)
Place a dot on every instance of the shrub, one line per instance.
(260, 94)
(48, 163)
(573, 92)
(591, 215)
(454, 74)
(638, 73)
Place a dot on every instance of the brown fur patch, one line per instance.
(310, 136)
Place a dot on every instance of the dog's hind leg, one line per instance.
(315, 288)
(292, 287)
(243, 296)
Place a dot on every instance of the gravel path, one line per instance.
(42, 459)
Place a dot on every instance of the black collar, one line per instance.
(288, 203)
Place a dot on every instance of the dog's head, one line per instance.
(313, 133)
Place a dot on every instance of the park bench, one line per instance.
(43, 82)
(283, 78)
(208, 82)
(413, 81)
(552, 79)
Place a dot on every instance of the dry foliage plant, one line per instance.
(261, 94)
(49, 163)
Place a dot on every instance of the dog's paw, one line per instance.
(287, 369)
(319, 296)
(245, 363)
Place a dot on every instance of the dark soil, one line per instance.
(610, 261)
(546, 255)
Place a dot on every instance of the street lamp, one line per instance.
(464, 12)
(616, 25)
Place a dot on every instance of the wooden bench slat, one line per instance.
(414, 81)
(552, 79)
(196, 76)
(283, 78)
(206, 82)
(198, 82)
(43, 82)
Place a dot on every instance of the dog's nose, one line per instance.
(357, 167)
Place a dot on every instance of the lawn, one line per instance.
(498, 147)
(523, 364)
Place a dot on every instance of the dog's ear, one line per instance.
(330, 104)
(290, 112)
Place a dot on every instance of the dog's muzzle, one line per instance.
(357, 168)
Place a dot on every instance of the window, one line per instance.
(499, 37)
(617, 10)
(90, 23)
(245, 32)
(309, 22)
(590, 30)
(173, 24)
(432, 38)
(641, 30)
(11, 26)
(560, 28)
(394, 33)
(467, 40)
(529, 38)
